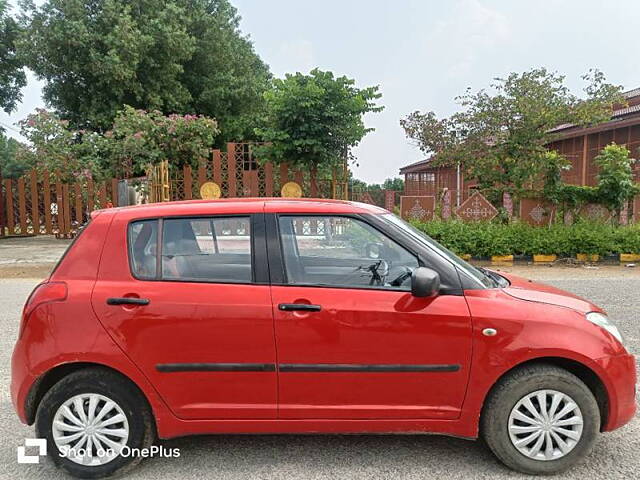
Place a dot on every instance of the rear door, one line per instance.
(188, 300)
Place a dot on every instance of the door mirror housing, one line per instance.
(424, 282)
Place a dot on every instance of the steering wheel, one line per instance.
(379, 271)
(406, 273)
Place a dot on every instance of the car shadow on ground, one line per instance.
(328, 456)
(339, 457)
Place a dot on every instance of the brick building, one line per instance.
(579, 145)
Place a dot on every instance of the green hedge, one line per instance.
(484, 239)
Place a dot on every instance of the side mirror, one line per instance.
(425, 282)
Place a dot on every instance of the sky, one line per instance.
(424, 53)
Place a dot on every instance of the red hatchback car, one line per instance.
(300, 316)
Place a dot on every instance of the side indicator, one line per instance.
(489, 332)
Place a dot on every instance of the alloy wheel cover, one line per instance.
(92, 429)
(545, 425)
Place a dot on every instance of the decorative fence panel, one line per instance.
(534, 211)
(33, 205)
(239, 174)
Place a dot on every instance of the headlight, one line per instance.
(603, 322)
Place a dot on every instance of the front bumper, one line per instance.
(621, 387)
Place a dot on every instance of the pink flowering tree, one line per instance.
(141, 138)
(137, 139)
(68, 155)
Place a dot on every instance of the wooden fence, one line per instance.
(238, 173)
(34, 205)
(238, 177)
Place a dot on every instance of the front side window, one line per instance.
(344, 252)
(207, 249)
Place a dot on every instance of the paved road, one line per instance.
(347, 457)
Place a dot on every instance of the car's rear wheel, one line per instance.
(92, 420)
(540, 419)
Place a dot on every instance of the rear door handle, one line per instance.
(299, 307)
(127, 301)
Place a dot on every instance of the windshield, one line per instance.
(472, 272)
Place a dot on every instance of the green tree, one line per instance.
(500, 138)
(175, 56)
(12, 76)
(97, 56)
(395, 183)
(225, 77)
(615, 179)
(10, 164)
(313, 120)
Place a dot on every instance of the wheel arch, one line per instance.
(587, 375)
(48, 379)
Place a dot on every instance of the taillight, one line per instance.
(43, 293)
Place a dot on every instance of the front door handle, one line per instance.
(299, 307)
(127, 301)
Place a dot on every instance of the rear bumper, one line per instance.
(21, 382)
(621, 386)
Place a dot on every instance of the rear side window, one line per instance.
(211, 249)
(207, 249)
(143, 241)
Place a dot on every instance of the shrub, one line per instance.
(484, 239)
(627, 240)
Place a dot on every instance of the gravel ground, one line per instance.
(356, 456)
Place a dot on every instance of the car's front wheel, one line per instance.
(94, 421)
(540, 419)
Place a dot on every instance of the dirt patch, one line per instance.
(26, 270)
(30, 257)
(40, 250)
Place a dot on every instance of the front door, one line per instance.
(352, 341)
(203, 332)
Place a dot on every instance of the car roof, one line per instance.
(230, 206)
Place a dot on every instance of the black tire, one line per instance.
(516, 385)
(110, 384)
